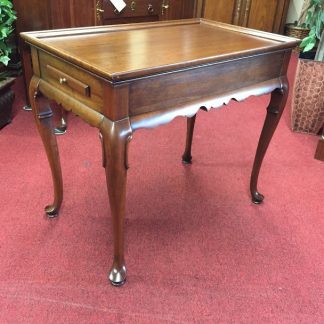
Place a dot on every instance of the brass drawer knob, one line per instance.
(133, 5)
(150, 8)
(62, 80)
(165, 7)
(99, 11)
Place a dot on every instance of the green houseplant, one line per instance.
(314, 21)
(7, 19)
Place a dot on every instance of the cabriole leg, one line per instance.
(274, 112)
(115, 138)
(186, 157)
(43, 118)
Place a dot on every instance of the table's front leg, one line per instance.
(115, 138)
(43, 118)
(274, 112)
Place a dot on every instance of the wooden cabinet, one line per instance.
(267, 15)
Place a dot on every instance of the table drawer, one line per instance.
(76, 82)
(65, 79)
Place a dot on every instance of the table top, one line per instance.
(124, 52)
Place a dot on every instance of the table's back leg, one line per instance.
(61, 128)
(43, 118)
(186, 157)
(115, 138)
(274, 112)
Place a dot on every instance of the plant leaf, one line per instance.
(306, 41)
(4, 59)
(7, 17)
(310, 45)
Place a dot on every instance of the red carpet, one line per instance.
(197, 249)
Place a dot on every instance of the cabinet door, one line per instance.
(54, 14)
(73, 13)
(84, 12)
(179, 9)
(37, 18)
(268, 15)
(262, 14)
(189, 9)
(220, 10)
(60, 13)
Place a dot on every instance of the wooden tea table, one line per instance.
(126, 77)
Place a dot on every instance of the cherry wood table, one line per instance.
(126, 77)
